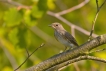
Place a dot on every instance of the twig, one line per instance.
(102, 4)
(70, 54)
(97, 4)
(54, 14)
(19, 5)
(11, 2)
(84, 57)
(73, 8)
(27, 51)
(69, 23)
(29, 56)
(95, 18)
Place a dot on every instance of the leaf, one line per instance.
(51, 4)
(21, 36)
(36, 12)
(42, 5)
(17, 37)
(12, 17)
(29, 21)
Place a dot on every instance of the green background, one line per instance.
(22, 27)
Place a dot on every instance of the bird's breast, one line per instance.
(61, 39)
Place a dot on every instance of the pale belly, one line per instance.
(64, 41)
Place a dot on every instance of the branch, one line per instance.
(11, 2)
(73, 8)
(93, 25)
(69, 23)
(57, 15)
(19, 5)
(29, 56)
(68, 55)
(67, 63)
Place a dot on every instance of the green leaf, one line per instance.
(36, 12)
(51, 4)
(17, 37)
(28, 19)
(21, 37)
(42, 5)
(12, 17)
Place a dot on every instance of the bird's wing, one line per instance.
(70, 38)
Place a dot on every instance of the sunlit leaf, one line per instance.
(28, 19)
(42, 4)
(36, 12)
(51, 4)
(12, 17)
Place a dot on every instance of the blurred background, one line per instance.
(24, 24)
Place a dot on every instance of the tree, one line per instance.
(24, 25)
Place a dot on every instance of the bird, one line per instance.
(63, 36)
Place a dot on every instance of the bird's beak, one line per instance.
(50, 25)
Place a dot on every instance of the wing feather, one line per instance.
(70, 38)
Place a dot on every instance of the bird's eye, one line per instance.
(56, 24)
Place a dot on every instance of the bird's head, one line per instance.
(56, 26)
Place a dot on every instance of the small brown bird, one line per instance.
(63, 36)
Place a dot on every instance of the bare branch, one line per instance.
(73, 8)
(97, 4)
(93, 24)
(102, 4)
(11, 2)
(27, 51)
(29, 56)
(69, 23)
(19, 5)
(70, 54)
(80, 58)
(54, 14)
